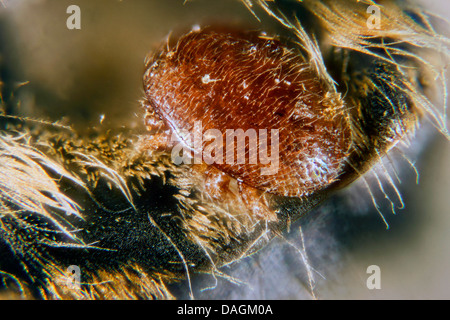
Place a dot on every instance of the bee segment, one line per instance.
(266, 94)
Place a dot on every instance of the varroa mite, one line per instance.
(232, 80)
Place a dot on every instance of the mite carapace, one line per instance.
(217, 85)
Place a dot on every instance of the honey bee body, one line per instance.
(140, 226)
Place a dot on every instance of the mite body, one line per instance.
(249, 83)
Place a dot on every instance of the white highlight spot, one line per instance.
(207, 79)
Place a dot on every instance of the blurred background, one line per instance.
(93, 78)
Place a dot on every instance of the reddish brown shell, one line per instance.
(246, 80)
